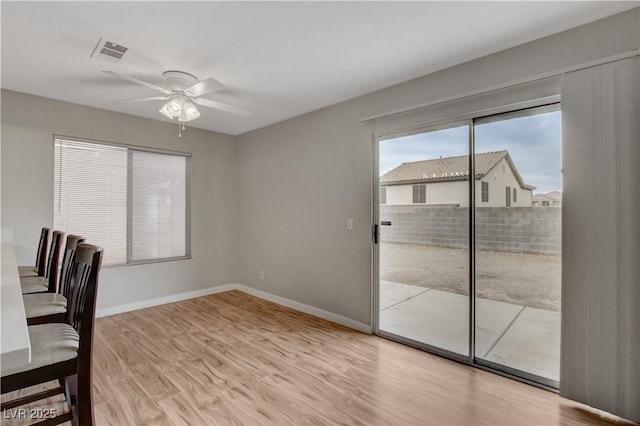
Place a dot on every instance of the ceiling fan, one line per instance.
(181, 92)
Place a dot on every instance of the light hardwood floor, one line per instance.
(231, 358)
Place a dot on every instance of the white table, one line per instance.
(15, 348)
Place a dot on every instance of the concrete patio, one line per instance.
(520, 337)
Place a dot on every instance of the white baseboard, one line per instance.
(104, 312)
(316, 312)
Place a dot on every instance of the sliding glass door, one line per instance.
(518, 213)
(470, 267)
(424, 239)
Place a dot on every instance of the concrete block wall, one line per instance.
(511, 229)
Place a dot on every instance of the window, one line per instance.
(419, 194)
(383, 195)
(131, 201)
(485, 192)
(515, 195)
(508, 199)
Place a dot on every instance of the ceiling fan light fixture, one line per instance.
(181, 91)
(173, 108)
(181, 108)
(189, 112)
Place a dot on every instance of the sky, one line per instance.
(534, 143)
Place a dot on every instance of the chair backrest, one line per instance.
(64, 285)
(81, 313)
(52, 263)
(41, 255)
(83, 284)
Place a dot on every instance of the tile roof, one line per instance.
(448, 169)
(549, 196)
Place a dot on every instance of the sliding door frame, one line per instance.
(470, 120)
(375, 314)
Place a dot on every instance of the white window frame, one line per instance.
(130, 149)
(422, 190)
(484, 192)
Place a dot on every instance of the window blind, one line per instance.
(131, 202)
(419, 194)
(90, 195)
(158, 220)
(600, 351)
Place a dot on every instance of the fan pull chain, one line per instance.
(181, 127)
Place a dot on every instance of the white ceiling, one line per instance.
(278, 59)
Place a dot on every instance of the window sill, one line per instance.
(147, 262)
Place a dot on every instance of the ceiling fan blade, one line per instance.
(138, 81)
(150, 98)
(205, 86)
(223, 107)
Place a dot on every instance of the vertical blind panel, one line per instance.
(90, 195)
(600, 354)
(158, 206)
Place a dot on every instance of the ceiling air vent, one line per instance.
(109, 51)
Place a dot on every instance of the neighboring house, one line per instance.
(550, 199)
(444, 181)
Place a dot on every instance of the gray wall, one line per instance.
(28, 123)
(300, 180)
(534, 230)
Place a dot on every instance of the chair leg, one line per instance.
(70, 388)
(74, 420)
(31, 398)
(84, 398)
(71, 393)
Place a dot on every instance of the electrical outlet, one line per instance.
(262, 275)
(350, 224)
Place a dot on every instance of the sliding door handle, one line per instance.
(376, 233)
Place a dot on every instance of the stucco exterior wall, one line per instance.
(499, 178)
(448, 193)
(457, 192)
(399, 194)
(437, 193)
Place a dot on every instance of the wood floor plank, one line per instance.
(126, 350)
(140, 407)
(152, 381)
(181, 411)
(231, 358)
(103, 390)
(111, 413)
(106, 359)
(187, 384)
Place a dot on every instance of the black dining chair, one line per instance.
(42, 308)
(62, 351)
(48, 282)
(41, 258)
